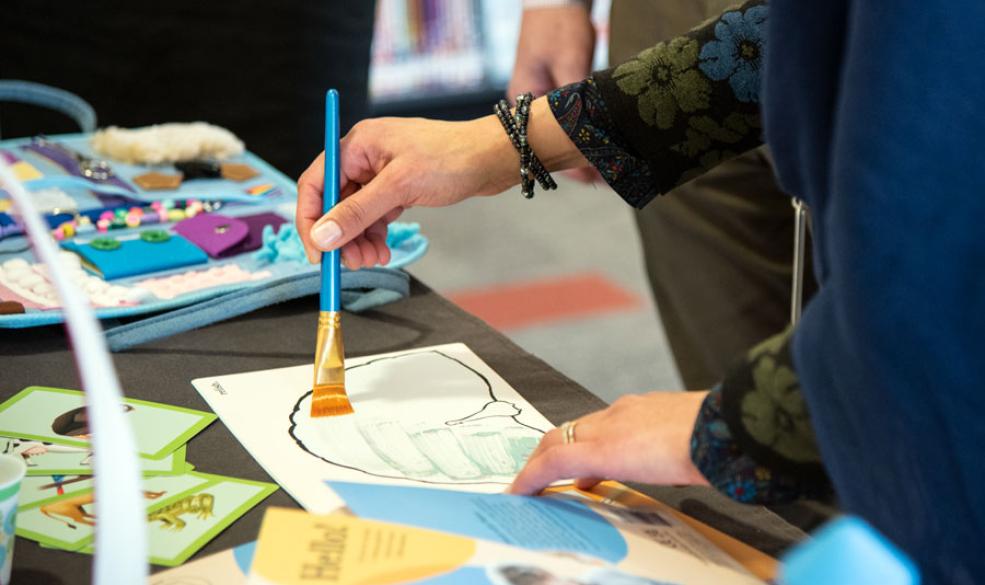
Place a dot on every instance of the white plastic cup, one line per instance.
(12, 470)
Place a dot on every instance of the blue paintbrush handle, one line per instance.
(331, 261)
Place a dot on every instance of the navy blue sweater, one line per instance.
(874, 112)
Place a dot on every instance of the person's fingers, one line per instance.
(586, 430)
(376, 234)
(558, 462)
(350, 218)
(352, 257)
(551, 438)
(587, 483)
(570, 70)
(393, 216)
(367, 251)
(309, 207)
(535, 79)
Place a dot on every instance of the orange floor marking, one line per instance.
(538, 302)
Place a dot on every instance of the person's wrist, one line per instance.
(496, 155)
(691, 475)
(549, 141)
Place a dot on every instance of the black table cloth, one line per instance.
(284, 335)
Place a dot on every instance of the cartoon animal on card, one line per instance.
(199, 505)
(455, 430)
(74, 510)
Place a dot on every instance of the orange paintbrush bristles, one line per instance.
(330, 401)
(328, 397)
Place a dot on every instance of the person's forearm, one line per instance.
(675, 110)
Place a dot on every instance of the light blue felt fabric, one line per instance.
(362, 290)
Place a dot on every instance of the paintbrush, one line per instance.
(328, 397)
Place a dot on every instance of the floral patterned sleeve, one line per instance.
(648, 125)
(753, 438)
(675, 110)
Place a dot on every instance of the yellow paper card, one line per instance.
(296, 548)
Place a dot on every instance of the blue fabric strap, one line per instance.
(37, 94)
(361, 290)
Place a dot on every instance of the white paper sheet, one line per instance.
(433, 416)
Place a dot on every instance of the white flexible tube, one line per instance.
(121, 528)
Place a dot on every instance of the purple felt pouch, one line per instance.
(222, 236)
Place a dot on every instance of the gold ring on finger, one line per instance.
(568, 431)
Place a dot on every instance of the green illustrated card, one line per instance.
(59, 416)
(67, 521)
(47, 487)
(46, 459)
(181, 529)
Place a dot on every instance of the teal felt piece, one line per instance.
(114, 258)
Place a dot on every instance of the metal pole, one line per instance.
(799, 240)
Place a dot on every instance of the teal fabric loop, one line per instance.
(37, 94)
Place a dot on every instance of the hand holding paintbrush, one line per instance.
(328, 395)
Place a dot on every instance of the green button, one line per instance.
(105, 244)
(155, 236)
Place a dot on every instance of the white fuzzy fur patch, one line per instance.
(166, 143)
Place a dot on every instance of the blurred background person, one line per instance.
(718, 249)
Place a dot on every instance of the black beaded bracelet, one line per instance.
(502, 110)
(522, 116)
(543, 177)
(515, 125)
(509, 124)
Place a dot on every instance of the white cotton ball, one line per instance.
(44, 289)
(104, 300)
(16, 264)
(70, 260)
(29, 280)
(16, 275)
(137, 295)
(95, 286)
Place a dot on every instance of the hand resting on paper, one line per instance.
(643, 438)
(390, 164)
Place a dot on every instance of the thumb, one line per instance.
(355, 213)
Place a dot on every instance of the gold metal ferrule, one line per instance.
(329, 353)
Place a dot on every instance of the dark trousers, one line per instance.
(257, 68)
(718, 249)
